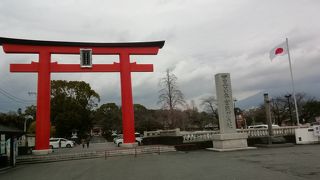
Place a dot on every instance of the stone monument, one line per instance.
(228, 139)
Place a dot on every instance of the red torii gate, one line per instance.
(45, 67)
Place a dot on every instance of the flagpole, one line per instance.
(292, 82)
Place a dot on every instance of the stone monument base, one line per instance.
(230, 142)
(129, 145)
(42, 152)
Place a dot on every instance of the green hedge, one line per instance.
(165, 140)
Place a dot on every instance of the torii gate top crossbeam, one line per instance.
(11, 45)
(4, 40)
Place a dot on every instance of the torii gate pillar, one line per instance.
(126, 100)
(43, 102)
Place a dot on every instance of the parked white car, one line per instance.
(119, 140)
(60, 143)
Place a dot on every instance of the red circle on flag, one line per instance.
(279, 51)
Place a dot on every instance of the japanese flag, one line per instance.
(279, 50)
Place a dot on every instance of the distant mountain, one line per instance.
(252, 101)
(257, 99)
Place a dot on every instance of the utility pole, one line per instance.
(30, 93)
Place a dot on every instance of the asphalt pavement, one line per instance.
(92, 147)
(287, 163)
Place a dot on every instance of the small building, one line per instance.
(26, 144)
(97, 130)
(8, 145)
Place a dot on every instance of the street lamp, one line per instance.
(28, 117)
(289, 106)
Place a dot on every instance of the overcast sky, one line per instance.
(203, 37)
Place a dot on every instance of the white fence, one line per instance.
(199, 136)
(263, 132)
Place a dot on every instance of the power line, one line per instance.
(23, 102)
(20, 99)
(14, 98)
(2, 110)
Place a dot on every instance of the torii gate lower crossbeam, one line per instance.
(45, 67)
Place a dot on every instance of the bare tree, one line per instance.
(192, 120)
(279, 110)
(283, 107)
(170, 96)
(209, 104)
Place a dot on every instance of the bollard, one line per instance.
(105, 155)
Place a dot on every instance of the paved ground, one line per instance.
(92, 147)
(291, 163)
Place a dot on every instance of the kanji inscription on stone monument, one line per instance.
(225, 103)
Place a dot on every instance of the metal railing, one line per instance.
(149, 149)
(139, 150)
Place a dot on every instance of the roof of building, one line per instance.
(10, 130)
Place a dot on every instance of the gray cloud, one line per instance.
(202, 38)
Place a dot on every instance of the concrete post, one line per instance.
(267, 107)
